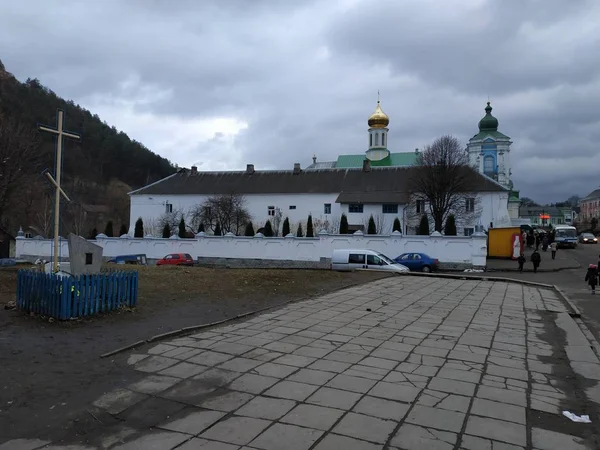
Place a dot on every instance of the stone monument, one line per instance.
(85, 257)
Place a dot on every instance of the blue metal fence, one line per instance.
(83, 295)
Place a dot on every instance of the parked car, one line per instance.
(130, 259)
(418, 262)
(347, 260)
(588, 238)
(176, 259)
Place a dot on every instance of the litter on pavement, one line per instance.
(576, 418)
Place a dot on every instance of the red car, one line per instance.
(176, 259)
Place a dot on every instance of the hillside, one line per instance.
(97, 172)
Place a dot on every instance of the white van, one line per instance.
(346, 260)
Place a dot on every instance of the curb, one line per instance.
(539, 270)
(576, 314)
(192, 328)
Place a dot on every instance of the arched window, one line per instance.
(376, 138)
(488, 164)
(383, 139)
(370, 140)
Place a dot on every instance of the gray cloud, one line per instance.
(304, 75)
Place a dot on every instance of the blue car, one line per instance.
(418, 262)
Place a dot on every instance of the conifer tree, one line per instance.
(139, 228)
(286, 227)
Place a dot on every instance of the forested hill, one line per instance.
(103, 166)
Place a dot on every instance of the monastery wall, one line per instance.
(453, 252)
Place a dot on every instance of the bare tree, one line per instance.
(77, 218)
(329, 224)
(152, 227)
(227, 210)
(19, 158)
(171, 218)
(276, 221)
(443, 183)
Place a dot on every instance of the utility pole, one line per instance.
(59, 133)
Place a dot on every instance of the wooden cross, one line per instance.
(60, 134)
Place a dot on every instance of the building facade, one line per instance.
(374, 184)
(589, 207)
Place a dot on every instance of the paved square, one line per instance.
(442, 364)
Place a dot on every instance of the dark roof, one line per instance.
(388, 179)
(373, 197)
(553, 211)
(593, 194)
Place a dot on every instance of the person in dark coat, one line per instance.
(536, 259)
(521, 260)
(537, 241)
(591, 277)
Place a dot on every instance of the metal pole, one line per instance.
(57, 195)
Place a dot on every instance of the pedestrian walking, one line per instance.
(591, 277)
(537, 241)
(553, 248)
(545, 243)
(521, 260)
(536, 259)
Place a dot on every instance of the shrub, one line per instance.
(166, 231)
(139, 228)
(424, 226)
(309, 227)
(218, 230)
(249, 229)
(286, 227)
(450, 228)
(299, 233)
(344, 224)
(268, 229)
(182, 233)
(371, 229)
(109, 229)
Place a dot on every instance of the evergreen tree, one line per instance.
(249, 229)
(109, 229)
(397, 226)
(268, 229)
(371, 229)
(201, 228)
(424, 226)
(299, 233)
(93, 233)
(123, 230)
(309, 227)
(139, 228)
(450, 228)
(166, 231)
(182, 233)
(218, 230)
(286, 227)
(344, 224)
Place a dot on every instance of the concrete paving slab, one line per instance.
(444, 364)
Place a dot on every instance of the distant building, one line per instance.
(547, 215)
(372, 183)
(589, 207)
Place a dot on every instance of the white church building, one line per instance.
(374, 183)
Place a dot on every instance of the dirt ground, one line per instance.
(49, 372)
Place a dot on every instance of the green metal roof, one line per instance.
(494, 134)
(393, 160)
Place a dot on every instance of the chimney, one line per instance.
(194, 170)
(314, 158)
(249, 169)
(297, 169)
(366, 165)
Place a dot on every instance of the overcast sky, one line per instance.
(224, 83)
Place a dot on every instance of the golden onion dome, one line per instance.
(378, 119)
